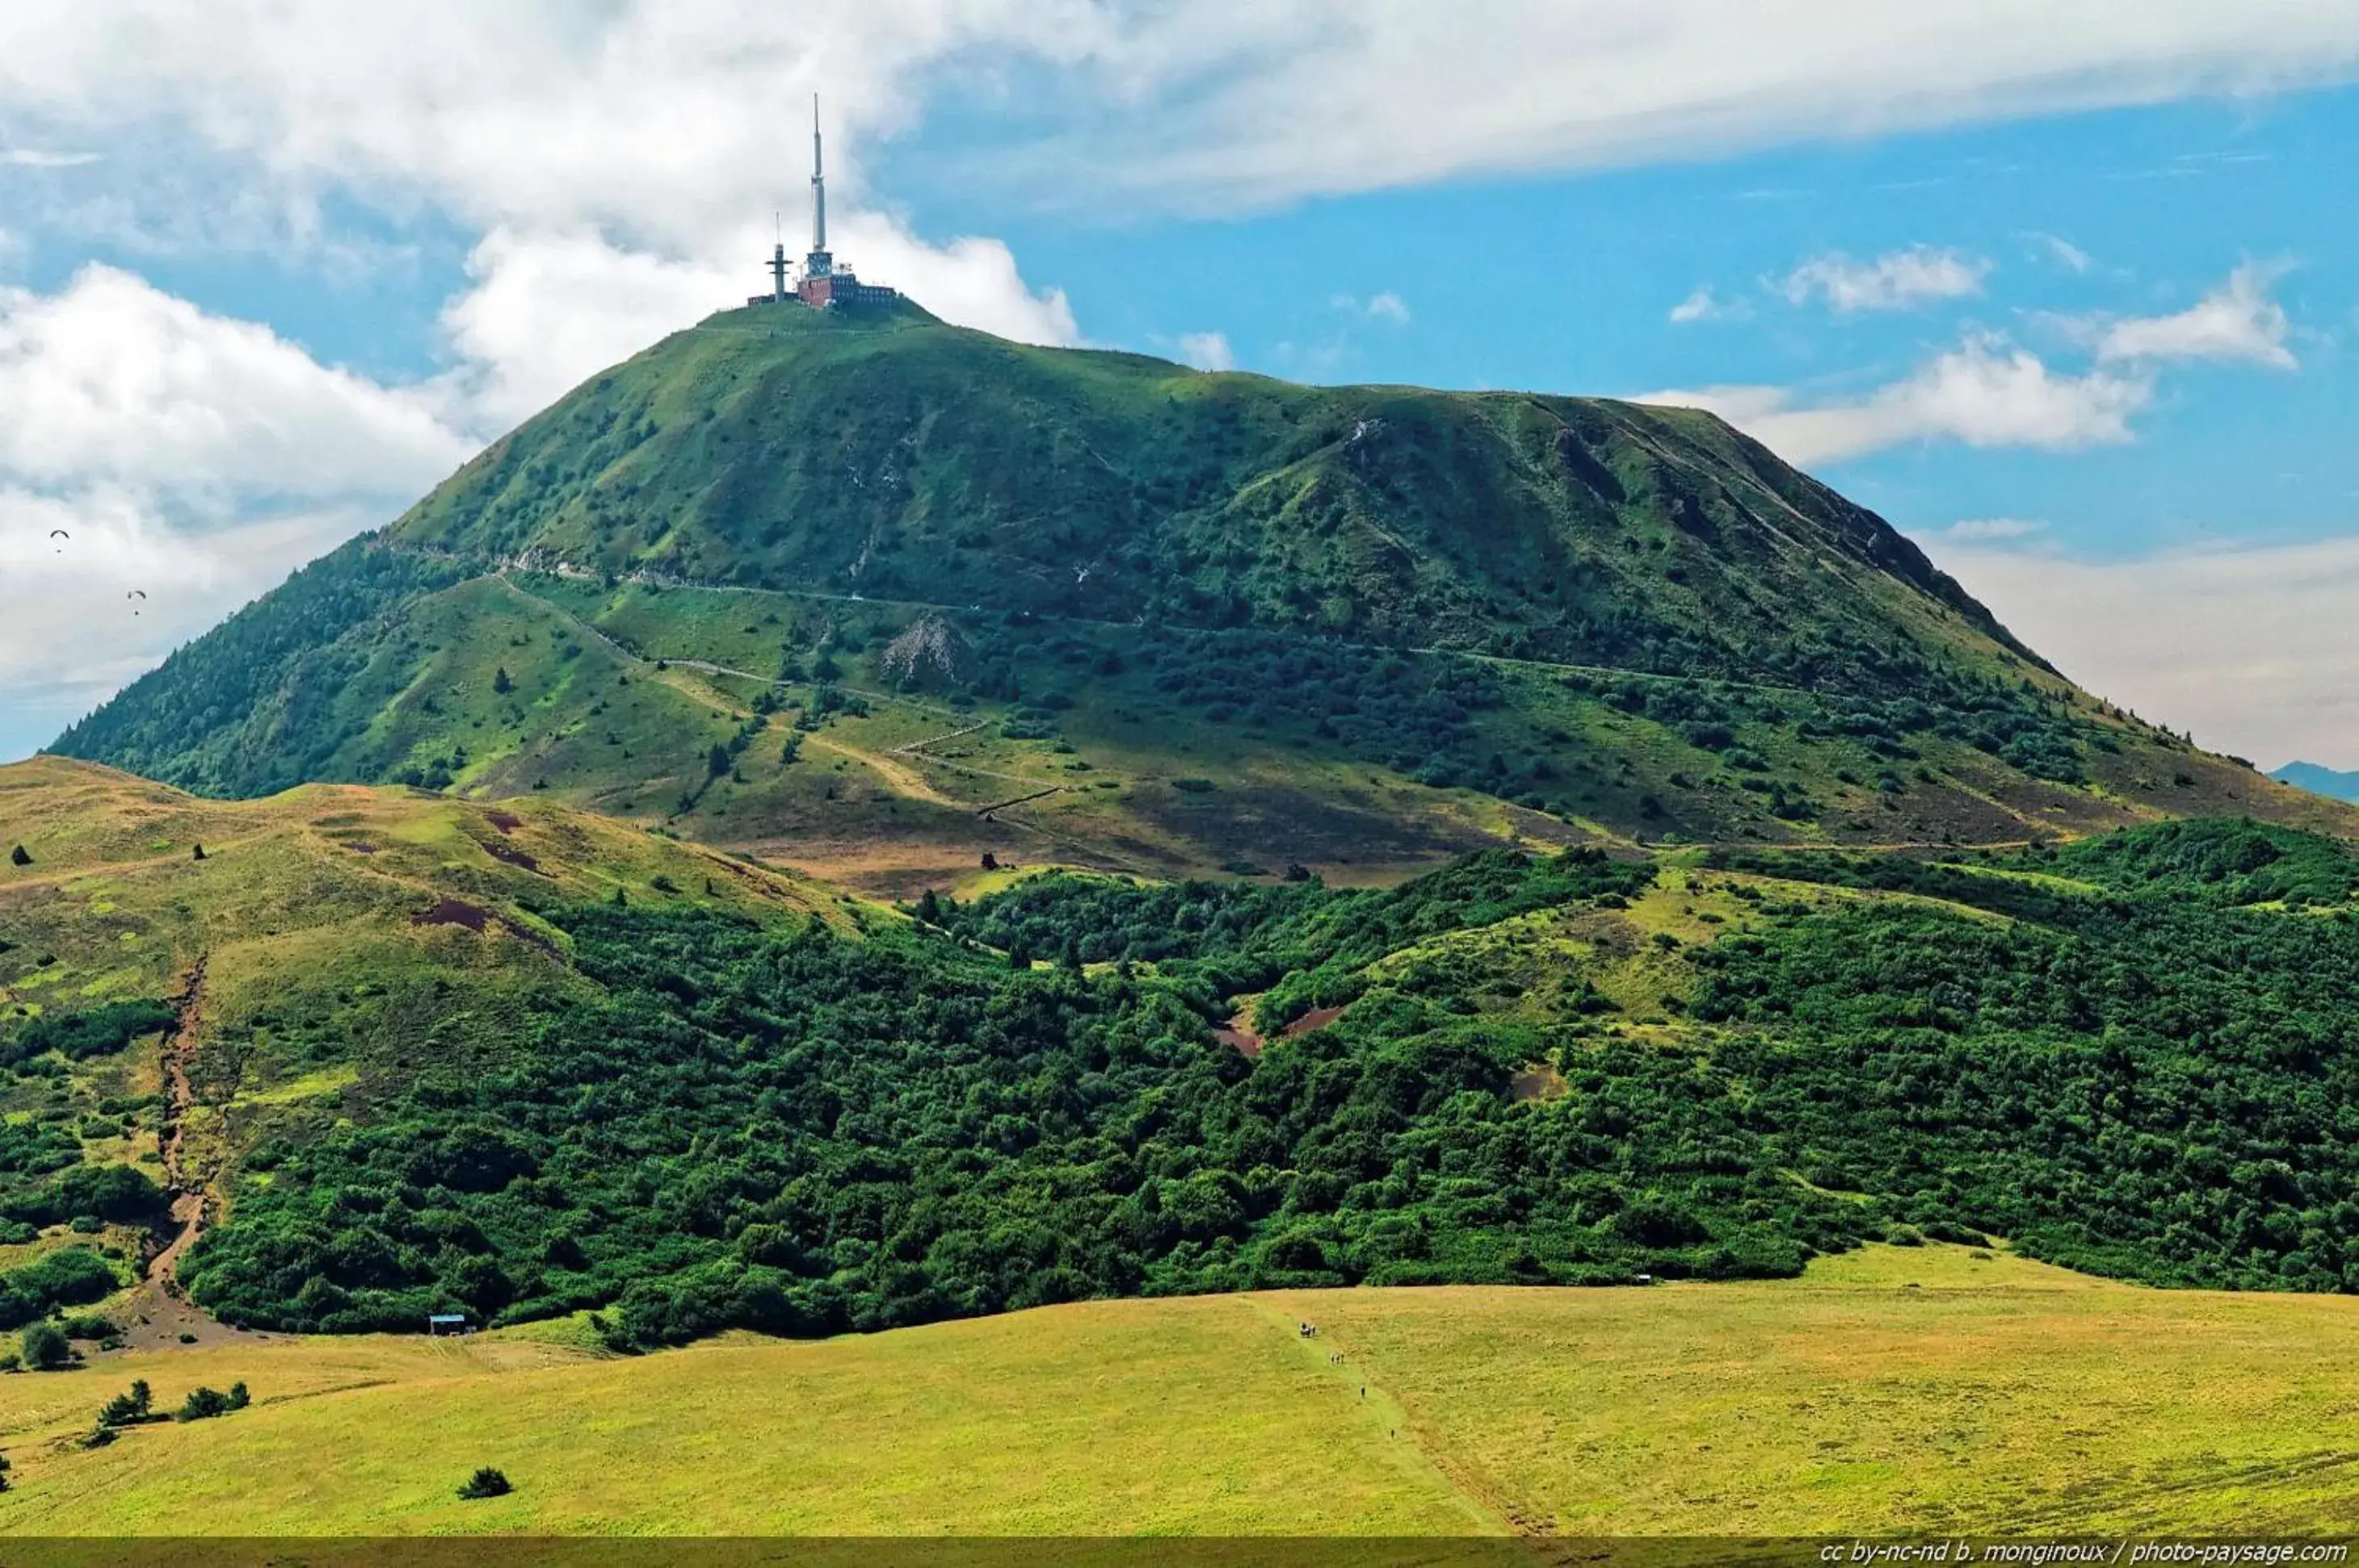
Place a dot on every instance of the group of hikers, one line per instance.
(1305, 1329)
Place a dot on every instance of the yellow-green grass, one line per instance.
(117, 899)
(1892, 1390)
(1176, 1416)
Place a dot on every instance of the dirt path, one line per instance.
(188, 1201)
(159, 1312)
(916, 747)
(985, 812)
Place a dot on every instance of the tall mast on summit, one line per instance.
(818, 188)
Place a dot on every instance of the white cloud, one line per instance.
(39, 157)
(2064, 252)
(111, 382)
(548, 311)
(1985, 392)
(1704, 305)
(71, 632)
(190, 457)
(1890, 282)
(1982, 531)
(1276, 99)
(2238, 321)
(646, 142)
(651, 115)
(1207, 350)
(2252, 648)
(1387, 307)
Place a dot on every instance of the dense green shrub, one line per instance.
(44, 1347)
(93, 1032)
(485, 1481)
(104, 1192)
(72, 1275)
(2109, 1053)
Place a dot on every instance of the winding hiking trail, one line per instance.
(161, 1314)
(1418, 1463)
(188, 1202)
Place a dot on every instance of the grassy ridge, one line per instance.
(1899, 1389)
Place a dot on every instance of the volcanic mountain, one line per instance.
(1170, 621)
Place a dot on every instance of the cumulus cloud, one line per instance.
(1890, 282)
(1207, 350)
(111, 381)
(2238, 321)
(190, 457)
(1985, 392)
(2252, 652)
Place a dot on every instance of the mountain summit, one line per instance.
(1201, 620)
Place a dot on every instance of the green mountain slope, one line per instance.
(1382, 624)
(399, 1054)
(183, 980)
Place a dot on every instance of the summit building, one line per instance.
(824, 283)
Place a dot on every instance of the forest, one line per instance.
(2128, 1056)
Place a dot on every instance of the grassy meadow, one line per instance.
(1895, 1389)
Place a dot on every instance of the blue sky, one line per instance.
(2079, 317)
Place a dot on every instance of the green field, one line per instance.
(1893, 1389)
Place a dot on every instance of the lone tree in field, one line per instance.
(124, 1409)
(485, 1481)
(44, 1347)
(19, 857)
(502, 682)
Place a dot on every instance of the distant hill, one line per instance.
(2319, 780)
(882, 595)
